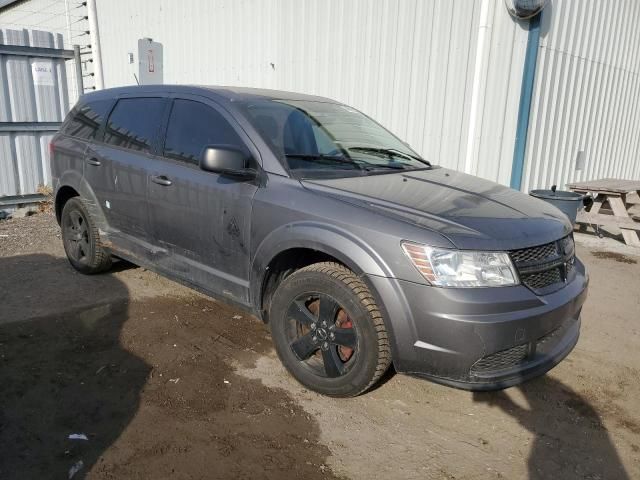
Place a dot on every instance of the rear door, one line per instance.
(80, 127)
(201, 218)
(117, 163)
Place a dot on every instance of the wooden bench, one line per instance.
(611, 193)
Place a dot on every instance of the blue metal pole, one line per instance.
(526, 92)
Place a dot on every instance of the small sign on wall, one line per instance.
(42, 72)
(150, 69)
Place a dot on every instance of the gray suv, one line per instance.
(305, 212)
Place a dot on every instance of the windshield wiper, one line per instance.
(325, 159)
(390, 152)
(374, 166)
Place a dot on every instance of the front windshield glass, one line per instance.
(328, 139)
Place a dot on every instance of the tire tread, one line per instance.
(101, 260)
(360, 289)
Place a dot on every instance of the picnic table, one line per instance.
(610, 207)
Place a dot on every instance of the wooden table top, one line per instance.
(612, 185)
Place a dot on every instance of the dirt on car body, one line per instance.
(140, 366)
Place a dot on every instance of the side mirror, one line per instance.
(226, 160)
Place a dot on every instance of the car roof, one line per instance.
(219, 93)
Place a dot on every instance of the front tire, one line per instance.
(81, 239)
(328, 330)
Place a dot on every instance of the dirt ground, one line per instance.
(166, 383)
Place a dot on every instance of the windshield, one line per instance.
(328, 139)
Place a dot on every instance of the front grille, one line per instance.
(542, 279)
(542, 252)
(545, 268)
(514, 356)
(501, 360)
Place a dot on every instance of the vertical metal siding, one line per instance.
(501, 97)
(24, 162)
(51, 16)
(407, 63)
(587, 94)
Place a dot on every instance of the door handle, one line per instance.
(161, 180)
(93, 161)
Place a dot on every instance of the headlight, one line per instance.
(461, 268)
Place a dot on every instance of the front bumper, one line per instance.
(480, 338)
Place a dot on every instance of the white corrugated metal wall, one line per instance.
(60, 17)
(24, 155)
(411, 64)
(407, 63)
(586, 94)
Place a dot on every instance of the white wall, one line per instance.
(410, 64)
(587, 94)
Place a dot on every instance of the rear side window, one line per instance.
(85, 120)
(134, 123)
(192, 126)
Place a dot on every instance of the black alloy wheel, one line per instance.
(328, 330)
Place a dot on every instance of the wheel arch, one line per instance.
(298, 245)
(72, 184)
(63, 195)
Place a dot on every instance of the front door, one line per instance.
(201, 219)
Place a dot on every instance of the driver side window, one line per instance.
(194, 125)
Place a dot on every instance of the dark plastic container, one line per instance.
(567, 202)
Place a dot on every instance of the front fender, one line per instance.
(350, 250)
(339, 243)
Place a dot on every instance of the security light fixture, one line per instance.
(524, 9)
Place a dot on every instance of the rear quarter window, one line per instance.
(84, 120)
(134, 123)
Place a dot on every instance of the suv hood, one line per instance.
(470, 212)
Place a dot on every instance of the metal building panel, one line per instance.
(46, 88)
(21, 98)
(407, 63)
(410, 65)
(5, 106)
(586, 94)
(501, 97)
(8, 168)
(33, 90)
(51, 16)
(44, 139)
(28, 163)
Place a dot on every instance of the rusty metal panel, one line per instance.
(32, 90)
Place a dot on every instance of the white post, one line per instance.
(96, 53)
(68, 44)
(68, 20)
(479, 74)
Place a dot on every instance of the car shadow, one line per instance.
(570, 440)
(63, 369)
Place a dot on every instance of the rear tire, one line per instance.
(81, 239)
(328, 330)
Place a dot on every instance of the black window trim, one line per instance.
(81, 104)
(99, 139)
(244, 137)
